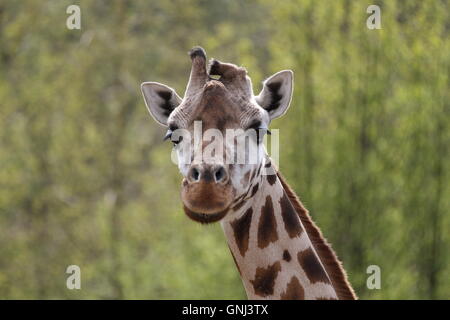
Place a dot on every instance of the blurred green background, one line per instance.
(85, 178)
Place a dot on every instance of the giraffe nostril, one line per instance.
(220, 174)
(195, 174)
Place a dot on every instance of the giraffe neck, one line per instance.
(271, 248)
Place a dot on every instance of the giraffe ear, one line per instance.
(160, 99)
(276, 94)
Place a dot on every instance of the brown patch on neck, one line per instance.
(326, 254)
(294, 290)
(290, 217)
(241, 229)
(254, 190)
(286, 256)
(267, 227)
(264, 281)
(271, 178)
(312, 266)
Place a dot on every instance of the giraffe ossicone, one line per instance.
(279, 251)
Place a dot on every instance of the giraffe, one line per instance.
(279, 251)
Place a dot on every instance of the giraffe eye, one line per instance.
(265, 130)
(178, 141)
(169, 133)
(261, 130)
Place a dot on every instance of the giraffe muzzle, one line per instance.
(207, 190)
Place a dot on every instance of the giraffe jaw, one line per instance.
(205, 218)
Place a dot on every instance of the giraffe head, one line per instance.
(217, 129)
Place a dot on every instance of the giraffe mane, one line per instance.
(326, 254)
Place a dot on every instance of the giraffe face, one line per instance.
(217, 131)
(217, 165)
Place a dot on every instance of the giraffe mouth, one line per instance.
(206, 202)
(205, 218)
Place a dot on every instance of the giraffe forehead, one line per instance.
(217, 107)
